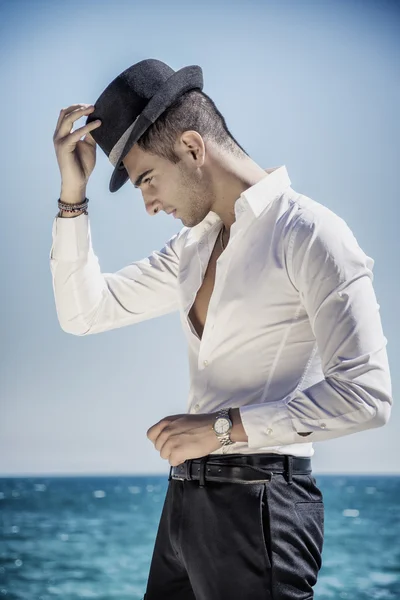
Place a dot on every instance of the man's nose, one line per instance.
(153, 207)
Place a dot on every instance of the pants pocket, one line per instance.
(264, 522)
(296, 518)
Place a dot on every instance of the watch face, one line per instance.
(221, 425)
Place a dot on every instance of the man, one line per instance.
(285, 342)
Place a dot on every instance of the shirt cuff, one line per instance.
(71, 238)
(268, 424)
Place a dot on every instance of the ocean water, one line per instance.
(93, 537)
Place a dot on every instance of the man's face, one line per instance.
(181, 187)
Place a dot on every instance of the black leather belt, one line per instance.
(240, 468)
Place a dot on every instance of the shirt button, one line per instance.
(268, 431)
(323, 425)
(205, 363)
(196, 406)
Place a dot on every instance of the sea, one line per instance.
(93, 537)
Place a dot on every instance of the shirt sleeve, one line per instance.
(89, 301)
(333, 277)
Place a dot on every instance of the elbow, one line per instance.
(73, 330)
(382, 409)
(383, 412)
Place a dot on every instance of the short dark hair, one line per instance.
(192, 111)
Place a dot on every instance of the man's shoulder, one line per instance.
(318, 233)
(309, 220)
(306, 212)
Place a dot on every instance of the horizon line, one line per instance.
(77, 475)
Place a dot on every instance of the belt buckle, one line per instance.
(186, 471)
(178, 477)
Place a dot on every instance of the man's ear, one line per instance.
(191, 143)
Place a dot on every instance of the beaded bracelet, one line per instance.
(72, 208)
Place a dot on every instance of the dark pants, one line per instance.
(235, 541)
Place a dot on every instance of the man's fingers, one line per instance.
(166, 435)
(67, 118)
(168, 446)
(89, 139)
(156, 429)
(162, 438)
(183, 436)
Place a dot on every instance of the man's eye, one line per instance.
(143, 181)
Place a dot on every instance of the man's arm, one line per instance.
(334, 279)
(89, 301)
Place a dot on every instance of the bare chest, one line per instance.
(199, 309)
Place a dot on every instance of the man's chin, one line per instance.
(186, 222)
(193, 222)
(190, 221)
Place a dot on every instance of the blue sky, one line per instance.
(312, 85)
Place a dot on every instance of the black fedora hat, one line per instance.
(132, 102)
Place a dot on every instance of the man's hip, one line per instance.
(255, 534)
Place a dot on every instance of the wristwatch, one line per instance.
(222, 427)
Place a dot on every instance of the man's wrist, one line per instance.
(237, 433)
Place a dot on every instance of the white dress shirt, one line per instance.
(293, 334)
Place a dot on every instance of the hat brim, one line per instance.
(180, 82)
(119, 177)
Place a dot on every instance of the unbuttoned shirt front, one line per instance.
(293, 334)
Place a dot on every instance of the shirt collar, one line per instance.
(264, 192)
(256, 198)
